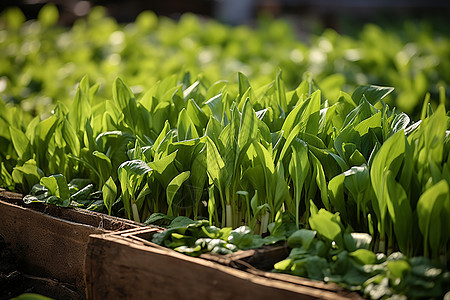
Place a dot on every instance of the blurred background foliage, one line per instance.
(45, 50)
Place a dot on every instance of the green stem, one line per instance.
(229, 219)
(264, 222)
(224, 213)
(135, 212)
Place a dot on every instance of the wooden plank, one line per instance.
(46, 246)
(119, 268)
(263, 258)
(76, 215)
(52, 246)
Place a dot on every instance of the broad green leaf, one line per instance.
(336, 194)
(109, 190)
(186, 128)
(231, 153)
(103, 165)
(327, 225)
(70, 137)
(165, 130)
(130, 174)
(187, 93)
(301, 238)
(199, 176)
(363, 111)
(299, 169)
(320, 180)
(372, 93)
(81, 108)
(114, 144)
(126, 102)
(357, 182)
(280, 92)
(215, 164)
(244, 84)
(357, 240)
(400, 211)
(304, 115)
(27, 175)
(173, 187)
(364, 256)
(389, 157)
(429, 208)
(161, 164)
(213, 130)
(215, 104)
(398, 268)
(134, 168)
(57, 186)
(248, 126)
(21, 143)
(198, 117)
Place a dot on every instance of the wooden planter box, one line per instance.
(262, 258)
(127, 265)
(51, 242)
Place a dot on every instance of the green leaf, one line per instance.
(70, 137)
(327, 225)
(316, 267)
(398, 268)
(80, 109)
(301, 238)
(57, 186)
(320, 180)
(299, 169)
(429, 208)
(215, 164)
(244, 84)
(215, 104)
(126, 102)
(357, 240)
(186, 128)
(21, 143)
(158, 219)
(199, 176)
(248, 128)
(181, 222)
(280, 92)
(336, 194)
(364, 256)
(198, 117)
(173, 187)
(103, 165)
(372, 93)
(134, 168)
(27, 175)
(109, 190)
(400, 212)
(244, 238)
(389, 157)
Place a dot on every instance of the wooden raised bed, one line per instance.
(127, 265)
(263, 258)
(50, 242)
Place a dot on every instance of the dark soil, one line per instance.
(12, 281)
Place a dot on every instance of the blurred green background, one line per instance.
(342, 44)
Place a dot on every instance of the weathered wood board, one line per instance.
(118, 267)
(51, 242)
